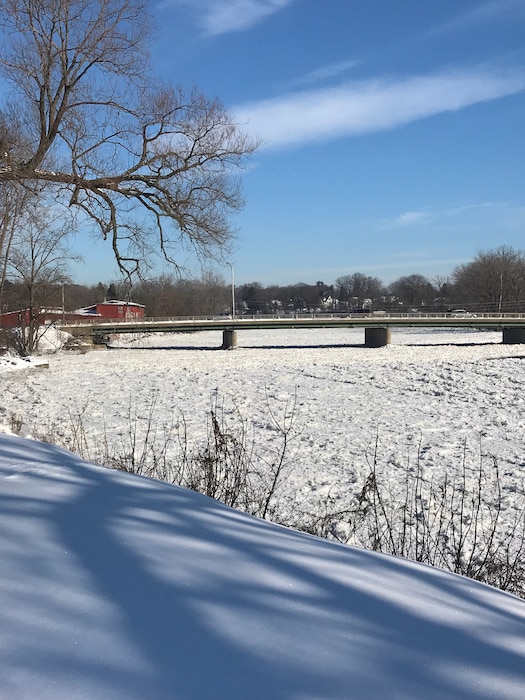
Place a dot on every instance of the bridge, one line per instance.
(377, 325)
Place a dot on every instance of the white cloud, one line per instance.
(409, 218)
(463, 216)
(224, 16)
(330, 71)
(368, 106)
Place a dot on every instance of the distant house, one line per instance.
(113, 310)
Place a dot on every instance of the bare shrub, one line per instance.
(452, 521)
(5, 340)
(458, 520)
(11, 341)
(224, 465)
(16, 421)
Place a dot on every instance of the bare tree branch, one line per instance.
(146, 163)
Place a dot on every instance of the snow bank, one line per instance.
(122, 588)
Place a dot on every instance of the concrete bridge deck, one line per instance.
(377, 325)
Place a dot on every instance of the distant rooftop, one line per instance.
(120, 303)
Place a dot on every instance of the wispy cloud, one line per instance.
(414, 218)
(489, 11)
(325, 72)
(409, 218)
(225, 16)
(464, 215)
(369, 106)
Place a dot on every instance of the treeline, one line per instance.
(493, 281)
(163, 296)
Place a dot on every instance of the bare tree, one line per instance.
(442, 285)
(493, 281)
(150, 165)
(356, 289)
(13, 201)
(38, 263)
(413, 290)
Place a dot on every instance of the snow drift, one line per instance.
(116, 586)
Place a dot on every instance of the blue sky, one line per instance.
(393, 130)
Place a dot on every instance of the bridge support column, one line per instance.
(100, 340)
(514, 336)
(377, 337)
(229, 339)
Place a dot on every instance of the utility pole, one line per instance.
(233, 291)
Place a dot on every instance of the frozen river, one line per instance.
(438, 396)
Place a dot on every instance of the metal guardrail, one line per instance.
(374, 316)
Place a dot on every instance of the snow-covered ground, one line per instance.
(114, 586)
(440, 396)
(118, 587)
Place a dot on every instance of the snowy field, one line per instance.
(440, 396)
(118, 587)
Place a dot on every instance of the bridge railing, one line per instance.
(90, 320)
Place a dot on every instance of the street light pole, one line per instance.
(233, 291)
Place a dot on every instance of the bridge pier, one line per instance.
(100, 340)
(514, 336)
(229, 339)
(377, 337)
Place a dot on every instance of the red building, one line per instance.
(112, 310)
(13, 319)
(107, 310)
